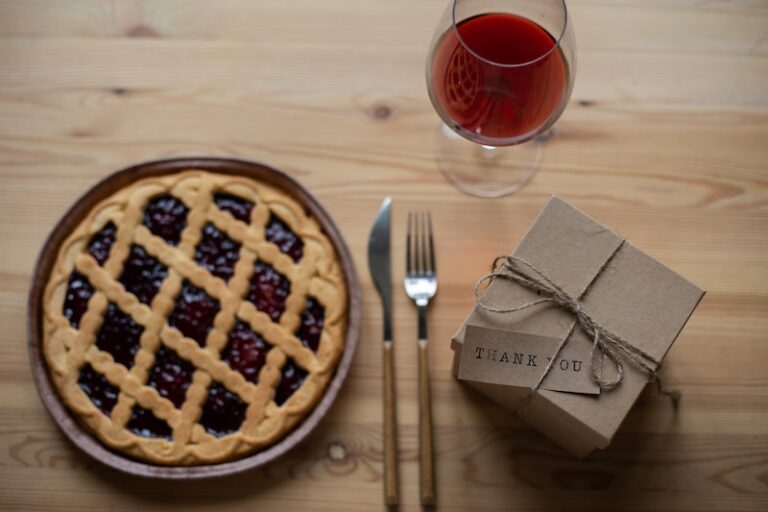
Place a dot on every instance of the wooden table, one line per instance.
(666, 140)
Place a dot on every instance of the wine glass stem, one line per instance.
(488, 154)
(487, 171)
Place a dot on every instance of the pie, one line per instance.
(194, 318)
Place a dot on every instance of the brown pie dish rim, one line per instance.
(111, 184)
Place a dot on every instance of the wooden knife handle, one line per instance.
(390, 429)
(426, 446)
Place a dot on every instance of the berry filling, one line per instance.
(119, 335)
(194, 312)
(246, 351)
(79, 292)
(268, 290)
(223, 411)
(171, 375)
(166, 217)
(144, 423)
(142, 274)
(239, 208)
(311, 326)
(217, 253)
(99, 390)
(101, 243)
(281, 235)
(291, 379)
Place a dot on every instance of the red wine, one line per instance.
(502, 91)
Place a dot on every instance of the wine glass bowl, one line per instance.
(499, 74)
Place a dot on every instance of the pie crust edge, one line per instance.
(319, 274)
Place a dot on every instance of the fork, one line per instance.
(421, 285)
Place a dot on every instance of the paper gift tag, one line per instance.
(519, 359)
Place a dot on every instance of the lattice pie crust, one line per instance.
(191, 420)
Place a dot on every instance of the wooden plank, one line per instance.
(666, 140)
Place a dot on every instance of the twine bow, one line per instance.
(609, 344)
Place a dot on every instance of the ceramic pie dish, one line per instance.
(192, 317)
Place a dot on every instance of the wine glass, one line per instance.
(499, 74)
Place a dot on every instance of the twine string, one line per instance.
(605, 344)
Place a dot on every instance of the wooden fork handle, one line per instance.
(426, 445)
(390, 429)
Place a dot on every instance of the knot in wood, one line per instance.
(337, 452)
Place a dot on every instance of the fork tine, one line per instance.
(432, 267)
(415, 248)
(423, 241)
(417, 243)
(408, 255)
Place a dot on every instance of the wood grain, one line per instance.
(391, 459)
(427, 491)
(665, 140)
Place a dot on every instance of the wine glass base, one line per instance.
(486, 171)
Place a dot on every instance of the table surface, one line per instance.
(665, 140)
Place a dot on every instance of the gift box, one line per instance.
(573, 325)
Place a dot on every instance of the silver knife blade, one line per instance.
(379, 261)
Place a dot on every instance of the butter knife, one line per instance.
(379, 263)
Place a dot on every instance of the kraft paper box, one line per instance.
(502, 355)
